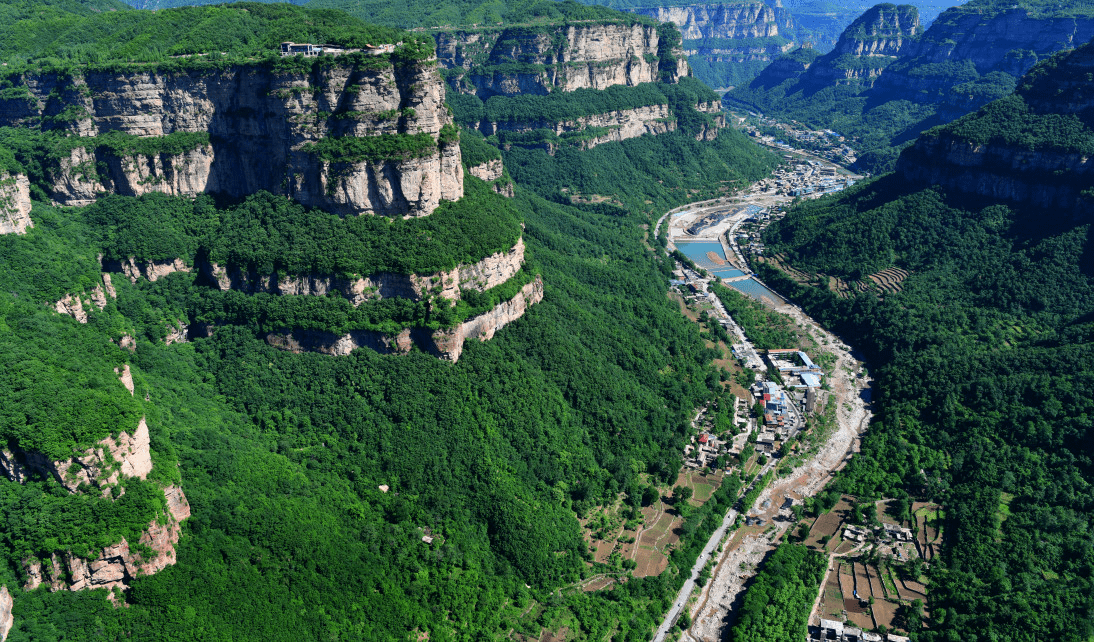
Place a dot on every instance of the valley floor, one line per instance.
(738, 558)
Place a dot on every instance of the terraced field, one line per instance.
(889, 280)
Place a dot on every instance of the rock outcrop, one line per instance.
(116, 565)
(446, 344)
(564, 57)
(479, 276)
(6, 618)
(98, 467)
(621, 125)
(974, 40)
(723, 21)
(493, 172)
(870, 44)
(257, 125)
(14, 204)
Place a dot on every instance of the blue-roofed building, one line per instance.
(810, 380)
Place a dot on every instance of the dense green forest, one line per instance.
(585, 399)
(60, 37)
(777, 604)
(984, 384)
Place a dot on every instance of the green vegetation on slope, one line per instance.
(983, 386)
(440, 13)
(586, 397)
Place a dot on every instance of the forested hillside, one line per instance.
(972, 54)
(982, 362)
(364, 496)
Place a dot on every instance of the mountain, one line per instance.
(289, 354)
(969, 56)
(982, 353)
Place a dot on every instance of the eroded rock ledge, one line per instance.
(117, 565)
(446, 344)
(101, 468)
(480, 276)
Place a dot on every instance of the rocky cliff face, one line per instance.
(520, 60)
(116, 565)
(621, 125)
(1009, 41)
(1013, 150)
(699, 21)
(14, 204)
(446, 344)
(6, 618)
(97, 469)
(259, 122)
(869, 45)
(479, 276)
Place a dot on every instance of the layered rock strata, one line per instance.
(446, 344)
(259, 124)
(449, 284)
(621, 125)
(1014, 150)
(870, 44)
(14, 204)
(566, 57)
(723, 21)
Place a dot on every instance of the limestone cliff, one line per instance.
(723, 21)
(620, 125)
(446, 344)
(870, 44)
(1032, 148)
(565, 57)
(116, 565)
(259, 123)
(6, 619)
(480, 276)
(97, 468)
(14, 204)
(977, 39)
(493, 172)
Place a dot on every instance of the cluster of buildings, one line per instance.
(310, 49)
(704, 450)
(780, 422)
(796, 368)
(832, 630)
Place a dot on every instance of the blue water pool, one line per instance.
(754, 289)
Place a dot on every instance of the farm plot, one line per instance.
(831, 607)
(884, 612)
(877, 588)
(889, 280)
(829, 525)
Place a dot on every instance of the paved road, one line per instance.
(689, 585)
(708, 550)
